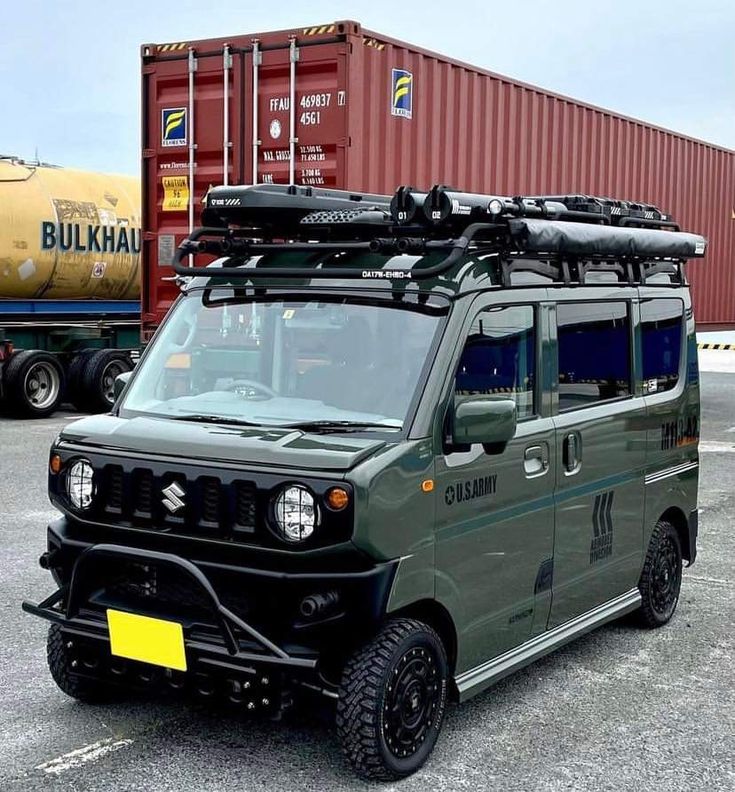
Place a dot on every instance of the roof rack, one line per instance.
(242, 221)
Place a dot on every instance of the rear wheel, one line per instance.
(101, 369)
(74, 372)
(660, 581)
(392, 700)
(34, 383)
(64, 665)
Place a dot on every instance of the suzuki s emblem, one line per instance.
(173, 497)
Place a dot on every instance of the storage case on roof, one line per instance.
(335, 105)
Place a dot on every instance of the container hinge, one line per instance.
(226, 59)
(294, 53)
(257, 57)
(193, 63)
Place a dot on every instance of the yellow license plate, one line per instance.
(146, 639)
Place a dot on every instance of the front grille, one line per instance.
(245, 506)
(115, 488)
(209, 507)
(225, 503)
(143, 493)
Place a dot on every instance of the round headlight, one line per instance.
(80, 484)
(296, 513)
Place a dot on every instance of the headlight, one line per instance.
(296, 513)
(80, 484)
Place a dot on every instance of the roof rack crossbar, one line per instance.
(457, 248)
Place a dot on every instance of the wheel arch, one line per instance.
(438, 617)
(676, 517)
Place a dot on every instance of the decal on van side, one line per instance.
(470, 489)
(602, 527)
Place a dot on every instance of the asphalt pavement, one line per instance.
(620, 709)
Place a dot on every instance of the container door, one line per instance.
(495, 514)
(271, 111)
(600, 445)
(193, 105)
(299, 121)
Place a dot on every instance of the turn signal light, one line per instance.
(337, 498)
(55, 464)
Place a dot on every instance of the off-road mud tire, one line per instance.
(367, 702)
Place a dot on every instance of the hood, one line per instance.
(252, 446)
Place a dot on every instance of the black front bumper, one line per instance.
(234, 617)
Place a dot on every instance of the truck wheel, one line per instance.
(98, 378)
(660, 581)
(34, 383)
(74, 393)
(392, 700)
(61, 664)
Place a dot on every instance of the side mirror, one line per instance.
(489, 421)
(120, 382)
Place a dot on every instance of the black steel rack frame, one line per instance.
(563, 237)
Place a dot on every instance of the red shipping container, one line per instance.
(339, 106)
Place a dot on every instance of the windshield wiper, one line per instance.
(214, 419)
(338, 426)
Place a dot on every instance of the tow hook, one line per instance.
(46, 560)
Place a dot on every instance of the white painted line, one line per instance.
(81, 756)
(713, 447)
(701, 579)
(717, 360)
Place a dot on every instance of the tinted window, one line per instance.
(499, 356)
(594, 352)
(661, 322)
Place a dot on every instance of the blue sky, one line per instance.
(69, 72)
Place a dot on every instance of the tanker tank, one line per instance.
(69, 286)
(67, 234)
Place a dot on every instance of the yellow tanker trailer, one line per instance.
(69, 285)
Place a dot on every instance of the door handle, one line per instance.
(572, 453)
(536, 460)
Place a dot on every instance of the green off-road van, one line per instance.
(383, 451)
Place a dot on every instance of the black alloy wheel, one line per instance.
(660, 582)
(411, 702)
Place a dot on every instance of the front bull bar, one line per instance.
(226, 620)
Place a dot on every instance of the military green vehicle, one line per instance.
(383, 451)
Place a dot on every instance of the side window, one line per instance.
(594, 352)
(661, 328)
(499, 356)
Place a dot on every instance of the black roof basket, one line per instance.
(250, 220)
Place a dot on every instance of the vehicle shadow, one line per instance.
(302, 751)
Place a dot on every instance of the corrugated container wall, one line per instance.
(340, 106)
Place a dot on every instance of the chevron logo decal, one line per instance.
(602, 527)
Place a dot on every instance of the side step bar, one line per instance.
(477, 679)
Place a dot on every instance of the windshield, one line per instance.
(326, 364)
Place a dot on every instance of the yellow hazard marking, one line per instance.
(368, 41)
(172, 47)
(318, 30)
(175, 193)
(715, 346)
(146, 639)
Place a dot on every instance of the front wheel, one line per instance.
(660, 581)
(392, 700)
(65, 667)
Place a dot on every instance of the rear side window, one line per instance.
(594, 352)
(499, 357)
(661, 328)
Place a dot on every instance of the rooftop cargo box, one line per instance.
(336, 105)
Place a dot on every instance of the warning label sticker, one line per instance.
(175, 193)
